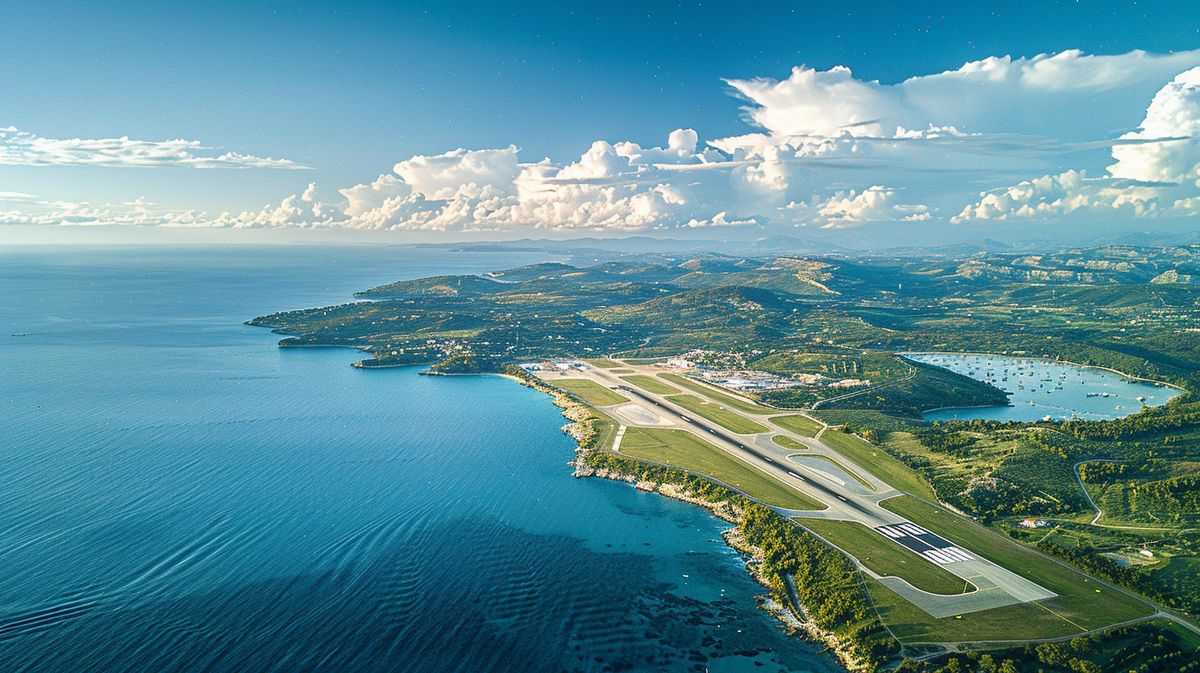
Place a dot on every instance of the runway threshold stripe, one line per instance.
(960, 553)
(949, 558)
(952, 553)
(934, 556)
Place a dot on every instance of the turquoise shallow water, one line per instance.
(177, 494)
(1040, 388)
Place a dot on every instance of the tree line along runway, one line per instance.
(994, 586)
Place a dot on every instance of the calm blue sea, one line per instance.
(177, 494)
(1040, 388)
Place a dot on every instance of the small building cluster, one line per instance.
(708, 366)
(557, 365)
(755, 380)
(849, 383)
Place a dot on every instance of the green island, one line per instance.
(712, 369)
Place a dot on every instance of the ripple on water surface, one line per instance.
(1039, 388)
(179, 495)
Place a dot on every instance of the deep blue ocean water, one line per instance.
(177, 494)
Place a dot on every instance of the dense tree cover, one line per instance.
(462, 363)
(1174, 416)
(1142, 648)
(827, 584)
(1177, 498)
(1055, 443)
(1101, 472)
(953, 442)
(800, 570)
(1116, 306)
(1087, 559)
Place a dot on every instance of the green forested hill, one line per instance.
(845, 320)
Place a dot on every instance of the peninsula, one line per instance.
(787, 394)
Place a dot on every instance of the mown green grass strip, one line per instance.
(590, 392)
(1080, 599)
(603, 363)
(789, 443)
(866, 417)
(723, 416)
(683, 449)
(650, 384)
(878, 462)
(886, 558)
(801, 425)
(910, 624)
(605, 427)
(717, 396)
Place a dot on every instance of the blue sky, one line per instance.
(345, 93)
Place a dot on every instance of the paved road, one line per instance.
(1079, 478)
(706, 427)
(665, 414)
(994, 585)
(1099, 512)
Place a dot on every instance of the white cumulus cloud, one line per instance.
(1156, 169)
(1173, 113)
(996, 94)
(22, 148)
(851, 208)
(612, 186)
(997, 138)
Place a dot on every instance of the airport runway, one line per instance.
(994, 586)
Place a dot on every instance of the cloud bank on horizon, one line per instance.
(22, 148)
(1066, 137)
